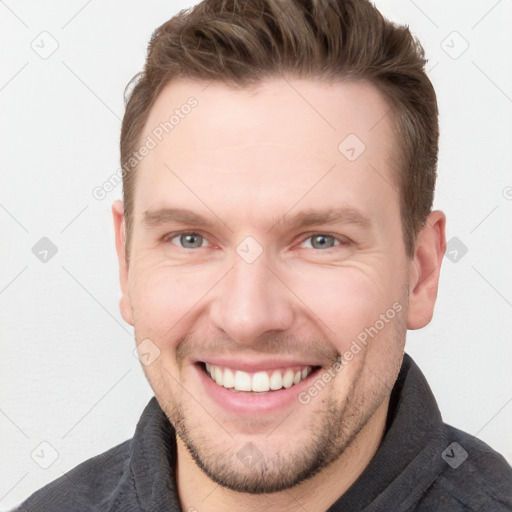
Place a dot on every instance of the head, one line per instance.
(306, 161)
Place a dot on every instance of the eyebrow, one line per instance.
(337, 215)
(154, 218)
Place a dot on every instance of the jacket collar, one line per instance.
(409, 457)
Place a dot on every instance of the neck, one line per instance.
(198, 493)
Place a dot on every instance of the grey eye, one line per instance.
(322, 241)
(190, 240)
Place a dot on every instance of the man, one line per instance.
(275, 242)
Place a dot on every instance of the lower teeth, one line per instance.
(251, 392)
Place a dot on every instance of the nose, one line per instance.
(252, 300)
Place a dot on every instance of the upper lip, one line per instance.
(253, 365)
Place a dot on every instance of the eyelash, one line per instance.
(343, 241)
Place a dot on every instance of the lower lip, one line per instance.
(245, 403)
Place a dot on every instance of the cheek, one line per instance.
(348, 300)
(163, 296)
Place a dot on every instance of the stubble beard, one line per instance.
(331, 432)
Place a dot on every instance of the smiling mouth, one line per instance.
(260, 382)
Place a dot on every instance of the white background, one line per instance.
(68, 374)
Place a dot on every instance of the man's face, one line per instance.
(262, 299)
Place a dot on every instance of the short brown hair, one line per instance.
(242, 43)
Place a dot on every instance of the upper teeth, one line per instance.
(259, 381)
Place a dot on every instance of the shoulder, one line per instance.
(92, 485)
(475, 477)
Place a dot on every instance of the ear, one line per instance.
(125, 304)
(424, 270)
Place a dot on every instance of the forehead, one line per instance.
(258, 149)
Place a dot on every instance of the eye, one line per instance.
(324, 241)
(188, 240)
